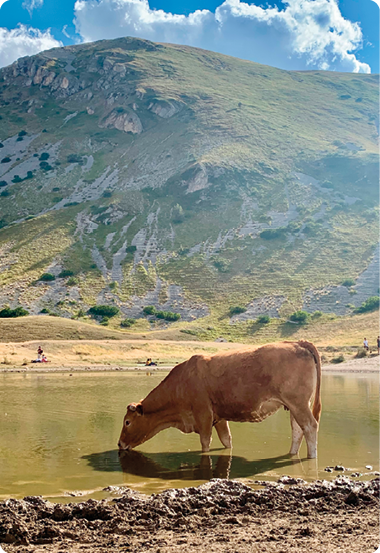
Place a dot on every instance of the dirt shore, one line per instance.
(220, 516)
(368, 364)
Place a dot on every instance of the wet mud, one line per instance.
(219, 516)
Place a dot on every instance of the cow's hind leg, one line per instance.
(224, 434)
(297, 436)
(309, 426)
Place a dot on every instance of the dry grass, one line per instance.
(126, 353)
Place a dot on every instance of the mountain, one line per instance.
(144, 174)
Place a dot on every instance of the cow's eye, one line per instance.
(127, 423)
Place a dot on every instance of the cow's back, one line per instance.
(238, 383)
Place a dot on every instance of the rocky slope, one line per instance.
(170, 176)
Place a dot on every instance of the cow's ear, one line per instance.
(131, 407)
(139, 409)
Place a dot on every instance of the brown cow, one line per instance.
(249, 385)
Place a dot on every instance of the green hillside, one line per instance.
(147, 174)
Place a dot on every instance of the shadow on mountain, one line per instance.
(288, 329)
(185, 465)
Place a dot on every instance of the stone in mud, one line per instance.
(352, 499)
(329, 469)
(339, 467)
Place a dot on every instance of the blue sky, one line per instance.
(339, 35)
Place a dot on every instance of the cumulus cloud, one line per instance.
(31, 5)
(305, 34)
(23, 41)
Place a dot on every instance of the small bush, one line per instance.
(149, 310)
(19, 139)
(222, 265)
(263, 319)
(131, 249)
(45, 311)
(371, 304)
(74, 158)
(22, 133)
(317, 314)
(300, 317)
(47, 277)
(361, 353)
(105, 311)
(3, 183)
(170, 316)
(4, 193)
(29, 175)
(81, 313)
(6, 160)
(113, 285)
(65, 273)
(338, 359)
(107, 194)
(16, 179)
(72, 281)
(348, 282)
(237, 310)
(44, 156)
(1, 145)
(127, 323)
(271, 234)
(7, 312)
(178, 214)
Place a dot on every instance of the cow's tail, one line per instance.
(317, 405)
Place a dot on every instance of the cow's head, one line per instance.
(135, 427)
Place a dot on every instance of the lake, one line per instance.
(59, 434)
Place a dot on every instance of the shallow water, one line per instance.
(58, 434)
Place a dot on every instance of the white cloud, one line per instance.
(31, 5)
(1, 3)
(305, 34)
(24, 41)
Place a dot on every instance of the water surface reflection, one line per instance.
(190, 465)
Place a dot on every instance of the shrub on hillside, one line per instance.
(338, 359)
(271, 234)
(167, 315)
(127, 323)
(105, 311)
(22, 133)
(66, 273)
(300, 317)
(317, 314)
(7, 312)
(6, 159)
(45, 311)
(3, 183)
(263, 319)
(348, 282)
(44, 156)
(178, 214)
(361, 353)
(47, 277)
(74, 158)
(371, 304)
(222, 264)
(5, 193)
(237, 310)
(149, 310)
(72, 281)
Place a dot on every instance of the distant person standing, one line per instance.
(378, 345)
(39, 353)
(365, 344)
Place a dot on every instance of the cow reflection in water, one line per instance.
(193, 466)
(135, 462)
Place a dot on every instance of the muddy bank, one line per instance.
(221, 516)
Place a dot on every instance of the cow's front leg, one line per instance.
(204, 422)
(223, 431)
